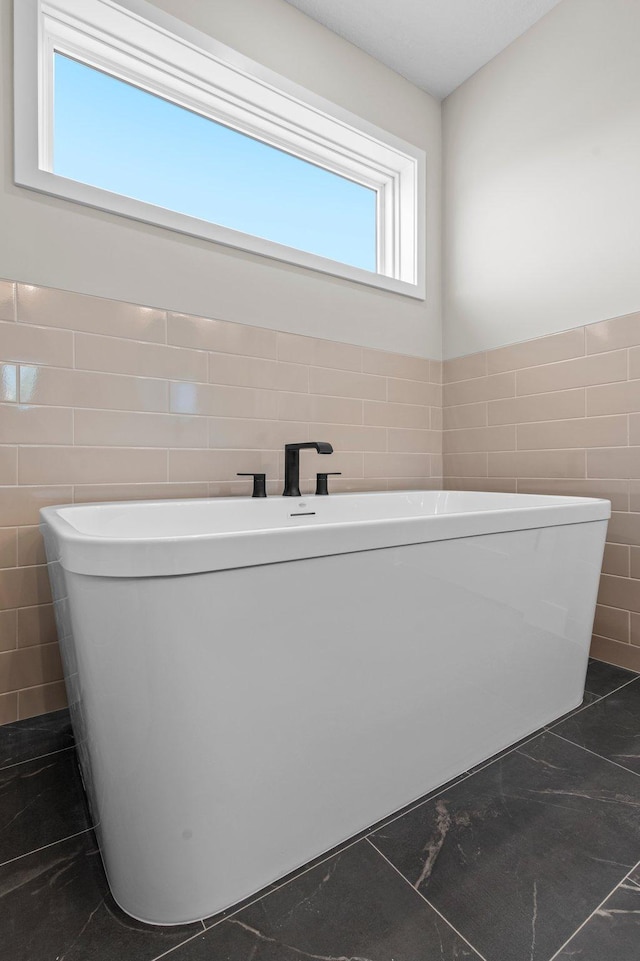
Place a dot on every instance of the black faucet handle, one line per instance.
(259, 484)
(321, 481)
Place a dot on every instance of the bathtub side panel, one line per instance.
(59, 581)
(242, 722)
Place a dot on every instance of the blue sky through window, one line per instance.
(113, 135)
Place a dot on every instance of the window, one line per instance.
(110, 134)
(122, 107)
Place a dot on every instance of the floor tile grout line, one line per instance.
(455, 781)
(379, 825)
(177, 947)
(578, 710)
(585, 707)
(594, 912)
(426, 900)
(594, 754)
(601, 697)
(509, 750)
(277, 887)
(44, 847)
(38, 757)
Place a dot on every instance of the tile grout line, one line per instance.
(593, 913)
(585, 707)
(578, 710)
(601, 757)
(44, 847)
(636, 677)
(626, 683)
(177, 947)
(508, 750)
(379, 825)
(274, 886)
(455, 781)
(426, 901)
(38, 757)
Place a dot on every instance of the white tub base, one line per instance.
(235, 724)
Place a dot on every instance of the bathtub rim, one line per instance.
(175, 555)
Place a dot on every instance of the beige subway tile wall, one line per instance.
(102, 400)
(560, 415)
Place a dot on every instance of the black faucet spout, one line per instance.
(292, 463)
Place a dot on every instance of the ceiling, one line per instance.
(436, 44)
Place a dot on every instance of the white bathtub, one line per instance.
(254, 681)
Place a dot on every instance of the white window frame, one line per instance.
(134, 41)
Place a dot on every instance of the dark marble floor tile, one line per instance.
(55, 904)
(518, 855)
(354, 906)
(613, 933)
(41, 801)
(25, 740)
(611, 727)
(604, 678)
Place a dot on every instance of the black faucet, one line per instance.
(292, 464)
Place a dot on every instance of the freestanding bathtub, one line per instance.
(254, 681)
